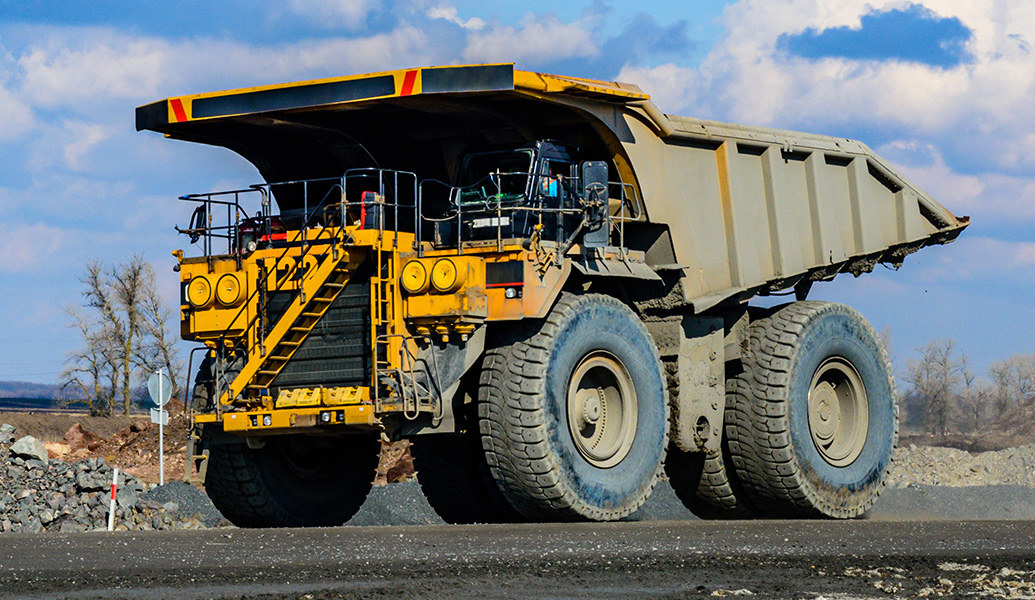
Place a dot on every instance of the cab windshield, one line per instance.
(512, 166)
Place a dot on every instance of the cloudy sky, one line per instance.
(941, 88)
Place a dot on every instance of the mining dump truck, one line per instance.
(545, 284)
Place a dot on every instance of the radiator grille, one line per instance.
(337, 351)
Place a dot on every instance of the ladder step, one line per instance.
(267, 373)
(290, 343)
(333, 285)
(311, 315)
(305, 329)
(277, 358)
(322, 300)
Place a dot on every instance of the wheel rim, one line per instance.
(838, 412)
(602, 409)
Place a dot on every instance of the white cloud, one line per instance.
(68, 69)
(669, 85)
(983, 259)
(17, 116)
(26, 247)
(82, 138)
(986, 102)
(351, 14)
(449, 13)
(67, 72)
(537, 37)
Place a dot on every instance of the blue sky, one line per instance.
(941, 88)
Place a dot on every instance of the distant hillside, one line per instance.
(28, 390)
(20, 404)
(24, 395)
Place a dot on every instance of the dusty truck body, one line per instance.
(544, 283)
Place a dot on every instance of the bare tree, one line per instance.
(87, 369)
(974, 398)
(158, 346)
(935, 377)
(1013, 380)
(123, 326)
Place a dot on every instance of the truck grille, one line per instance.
(337, 352)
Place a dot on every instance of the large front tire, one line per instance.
(817, 421)
(291, 481)
(573, 414)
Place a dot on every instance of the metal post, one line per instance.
(161, 436)
(111, 507)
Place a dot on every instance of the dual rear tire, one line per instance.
(810, 422)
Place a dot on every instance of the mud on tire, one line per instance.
(815, 422)
(573, 414)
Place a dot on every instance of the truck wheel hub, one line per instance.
(602, 409)
(838, 412)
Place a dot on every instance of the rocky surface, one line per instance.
(42, 492)
(38, 495)
(932, 465)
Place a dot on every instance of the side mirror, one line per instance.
(594, 199)
(198, 223)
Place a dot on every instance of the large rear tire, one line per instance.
(292, 480)
(573, 414)
(817, 421)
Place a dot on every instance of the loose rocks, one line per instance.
(6, 434)
(957, 468)
(78, 438)
(37, 495)
(30, 448)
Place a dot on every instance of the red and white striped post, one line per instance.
(111, 508)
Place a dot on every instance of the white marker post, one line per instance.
(159, 386)
(111, 507)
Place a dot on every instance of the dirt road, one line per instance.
(660, 559)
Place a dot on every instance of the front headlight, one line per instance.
(228, 290)
(446, 277)
(414, 278)
(199, 292)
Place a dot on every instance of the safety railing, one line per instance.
(323, 219)
(536, 204)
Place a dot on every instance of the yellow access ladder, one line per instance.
(318, 289)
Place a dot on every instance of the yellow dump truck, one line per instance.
(544, 283)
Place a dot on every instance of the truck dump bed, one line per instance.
(724, 211)
(760, 208)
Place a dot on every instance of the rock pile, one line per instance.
(932, 465)
(41, 494)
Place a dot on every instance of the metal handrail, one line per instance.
(391, 186)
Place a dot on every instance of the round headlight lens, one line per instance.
(414, 277)
(445, 276)
(199, 292)
(228, 290)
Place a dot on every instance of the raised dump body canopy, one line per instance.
(725, 211)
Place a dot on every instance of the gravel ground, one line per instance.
(924, 483)
(189, 500)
